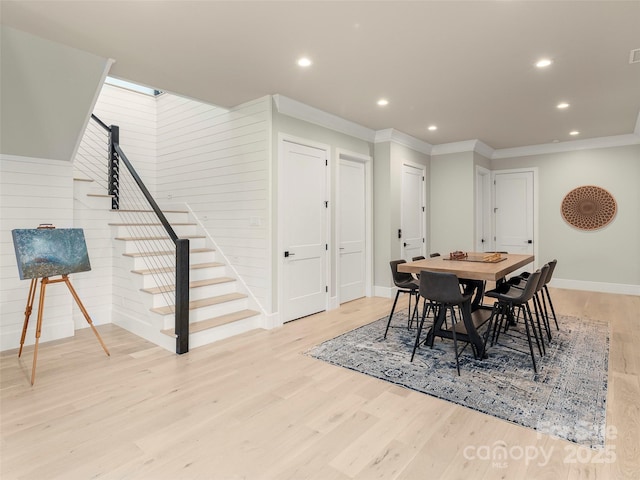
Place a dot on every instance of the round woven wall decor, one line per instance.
(588, 207)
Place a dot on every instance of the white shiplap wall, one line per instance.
(32, 191)
(135, 114)
(217, 161)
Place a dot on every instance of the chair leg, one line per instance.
(393, 309)
(538, 312)
(526, 325)
(527, 312)
(455, 340)
(502, 315)
(415, 313)
(419, 329)
(553, 312)
(542, 303)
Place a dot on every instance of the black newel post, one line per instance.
(114, 167)
(182, 295)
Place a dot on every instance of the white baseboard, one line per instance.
(271, 320)
(333, 303)
(10, 335)
(620, 288)
(385, 292)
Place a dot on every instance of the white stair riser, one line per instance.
(206, 337)
(128, 217)
(199, 293)
(151, 230)
(205, 273)
(143, 263)
(150, 281)
(133, 246)
(211, 311)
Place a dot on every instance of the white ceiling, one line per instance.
(465, 66)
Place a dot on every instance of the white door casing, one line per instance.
(515, 211)
(303, 216)
(413, 211)
(483, 234)
(352, 223)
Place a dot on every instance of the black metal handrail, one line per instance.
(182, 244)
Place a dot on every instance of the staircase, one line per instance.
(142, 271)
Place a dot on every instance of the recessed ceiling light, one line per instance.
(562, 105)
(574, 132)
(432, 128)
(545, 62)
(304, 62)
(383, 102)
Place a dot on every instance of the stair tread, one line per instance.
(194, 284)
(133, 210)
(100, 195)
(129, 239)
(207, 265)
(204, 302)
(143, 224)
(80, 179)
(166, 252)
(216, 321)
(171, 269)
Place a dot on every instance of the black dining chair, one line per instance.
(521, 279)
(514, 303)
(552, 267)
(442, 292)
(405, 283)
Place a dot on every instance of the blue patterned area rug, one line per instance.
(565, 399)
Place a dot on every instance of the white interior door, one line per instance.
(352, 230)
(514, 216)
(304, 217)
(412, 212)
(484, 237)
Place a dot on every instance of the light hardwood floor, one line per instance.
(255, 407)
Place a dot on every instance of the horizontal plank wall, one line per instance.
(32, 191)
(217, 161)
(135, 114)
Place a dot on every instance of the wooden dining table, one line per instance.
(473, 267)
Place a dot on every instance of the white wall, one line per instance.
(606, 259)
(452, 205)
(135, 113)
(47, 91)
(218, 161)
(32, 191)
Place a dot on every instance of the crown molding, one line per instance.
(465, 146)
(586, 144)
(395, 136)
(483, 149)
(301, 111)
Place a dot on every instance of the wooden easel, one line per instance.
(27, 313)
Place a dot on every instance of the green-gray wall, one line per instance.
(588, 259)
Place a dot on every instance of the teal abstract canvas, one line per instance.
(46, 252)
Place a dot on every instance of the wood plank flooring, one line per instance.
(255, 407)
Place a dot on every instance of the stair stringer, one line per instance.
(253, 302)
(133, 310)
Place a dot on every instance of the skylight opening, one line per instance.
(132, 86)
